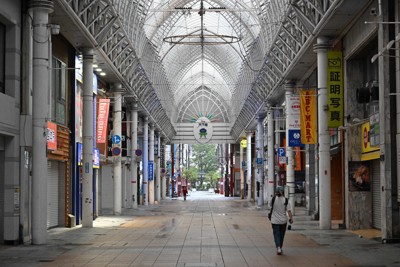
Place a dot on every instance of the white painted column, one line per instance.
(87, 142)
(248, 165)
(134, 147)
(324, 162)
(260, 155)
(241, 172)
(41, 59)
(117, 120)
(151, 159)
(289, 88)
(158, 168)
(164, 176)
(271, 154)
(145, 161)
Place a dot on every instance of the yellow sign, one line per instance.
(243, 143)
(308, 117)
(335, 89)
(368, 152)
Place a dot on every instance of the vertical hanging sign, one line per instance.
(335, 89)
(51, 136)
(102, 120)
(293, 117)
(308, 117)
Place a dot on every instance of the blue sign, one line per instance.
(281, 152)
(116, 139)
(243, 163)
(294, 138)
(259, 161)
(151, 173)
(96, 158)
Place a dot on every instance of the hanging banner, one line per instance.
(102, 120)
(293, 112)
(308, 117)
(51, 136)
(335, 89)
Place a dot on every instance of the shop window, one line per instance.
(2, 57)
(58, 92)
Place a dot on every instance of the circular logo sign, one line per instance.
(202, 130)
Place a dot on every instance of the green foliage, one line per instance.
(191, 175)
(205, 160)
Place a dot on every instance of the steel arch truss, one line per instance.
(301, 18)
(119, 44)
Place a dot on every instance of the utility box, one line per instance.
(71, 221)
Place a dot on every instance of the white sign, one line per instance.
(203, 130)
(293, 112)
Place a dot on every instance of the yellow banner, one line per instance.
(308, 117)
(335, 89)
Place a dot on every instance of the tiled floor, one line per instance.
(206, 230)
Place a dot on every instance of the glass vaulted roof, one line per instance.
(203, 47)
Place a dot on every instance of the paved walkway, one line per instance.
(206, 230)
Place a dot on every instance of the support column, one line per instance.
(151, 161)
(41, 58)
(87, 131)
(271, 153)
(134, 147)
(260, 152)
(158, 169)
(241, 173)
(117, 120)
(289, 88)
(145, 161)
(163, 179)
(249, 165)
(324, 173)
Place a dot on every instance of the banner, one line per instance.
(335, 89)
(293, 112)
(308, 117)
(51, 136)
(102, 120)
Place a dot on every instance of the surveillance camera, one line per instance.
(373, 12)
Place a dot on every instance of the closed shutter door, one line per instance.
(52, 194)
(1, 196)
(376, 194)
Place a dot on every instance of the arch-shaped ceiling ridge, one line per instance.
(203, 102)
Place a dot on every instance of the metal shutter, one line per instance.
(52, 194)
(376, 194)
(2, 195)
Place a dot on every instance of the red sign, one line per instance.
(102, 120)
(51, 136)
(116, 151)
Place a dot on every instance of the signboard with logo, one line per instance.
(293, 111)
(203, 130)
(294, 138)
(335, 89)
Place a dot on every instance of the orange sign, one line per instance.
(51, 136)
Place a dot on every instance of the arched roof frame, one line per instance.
(191, 108)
